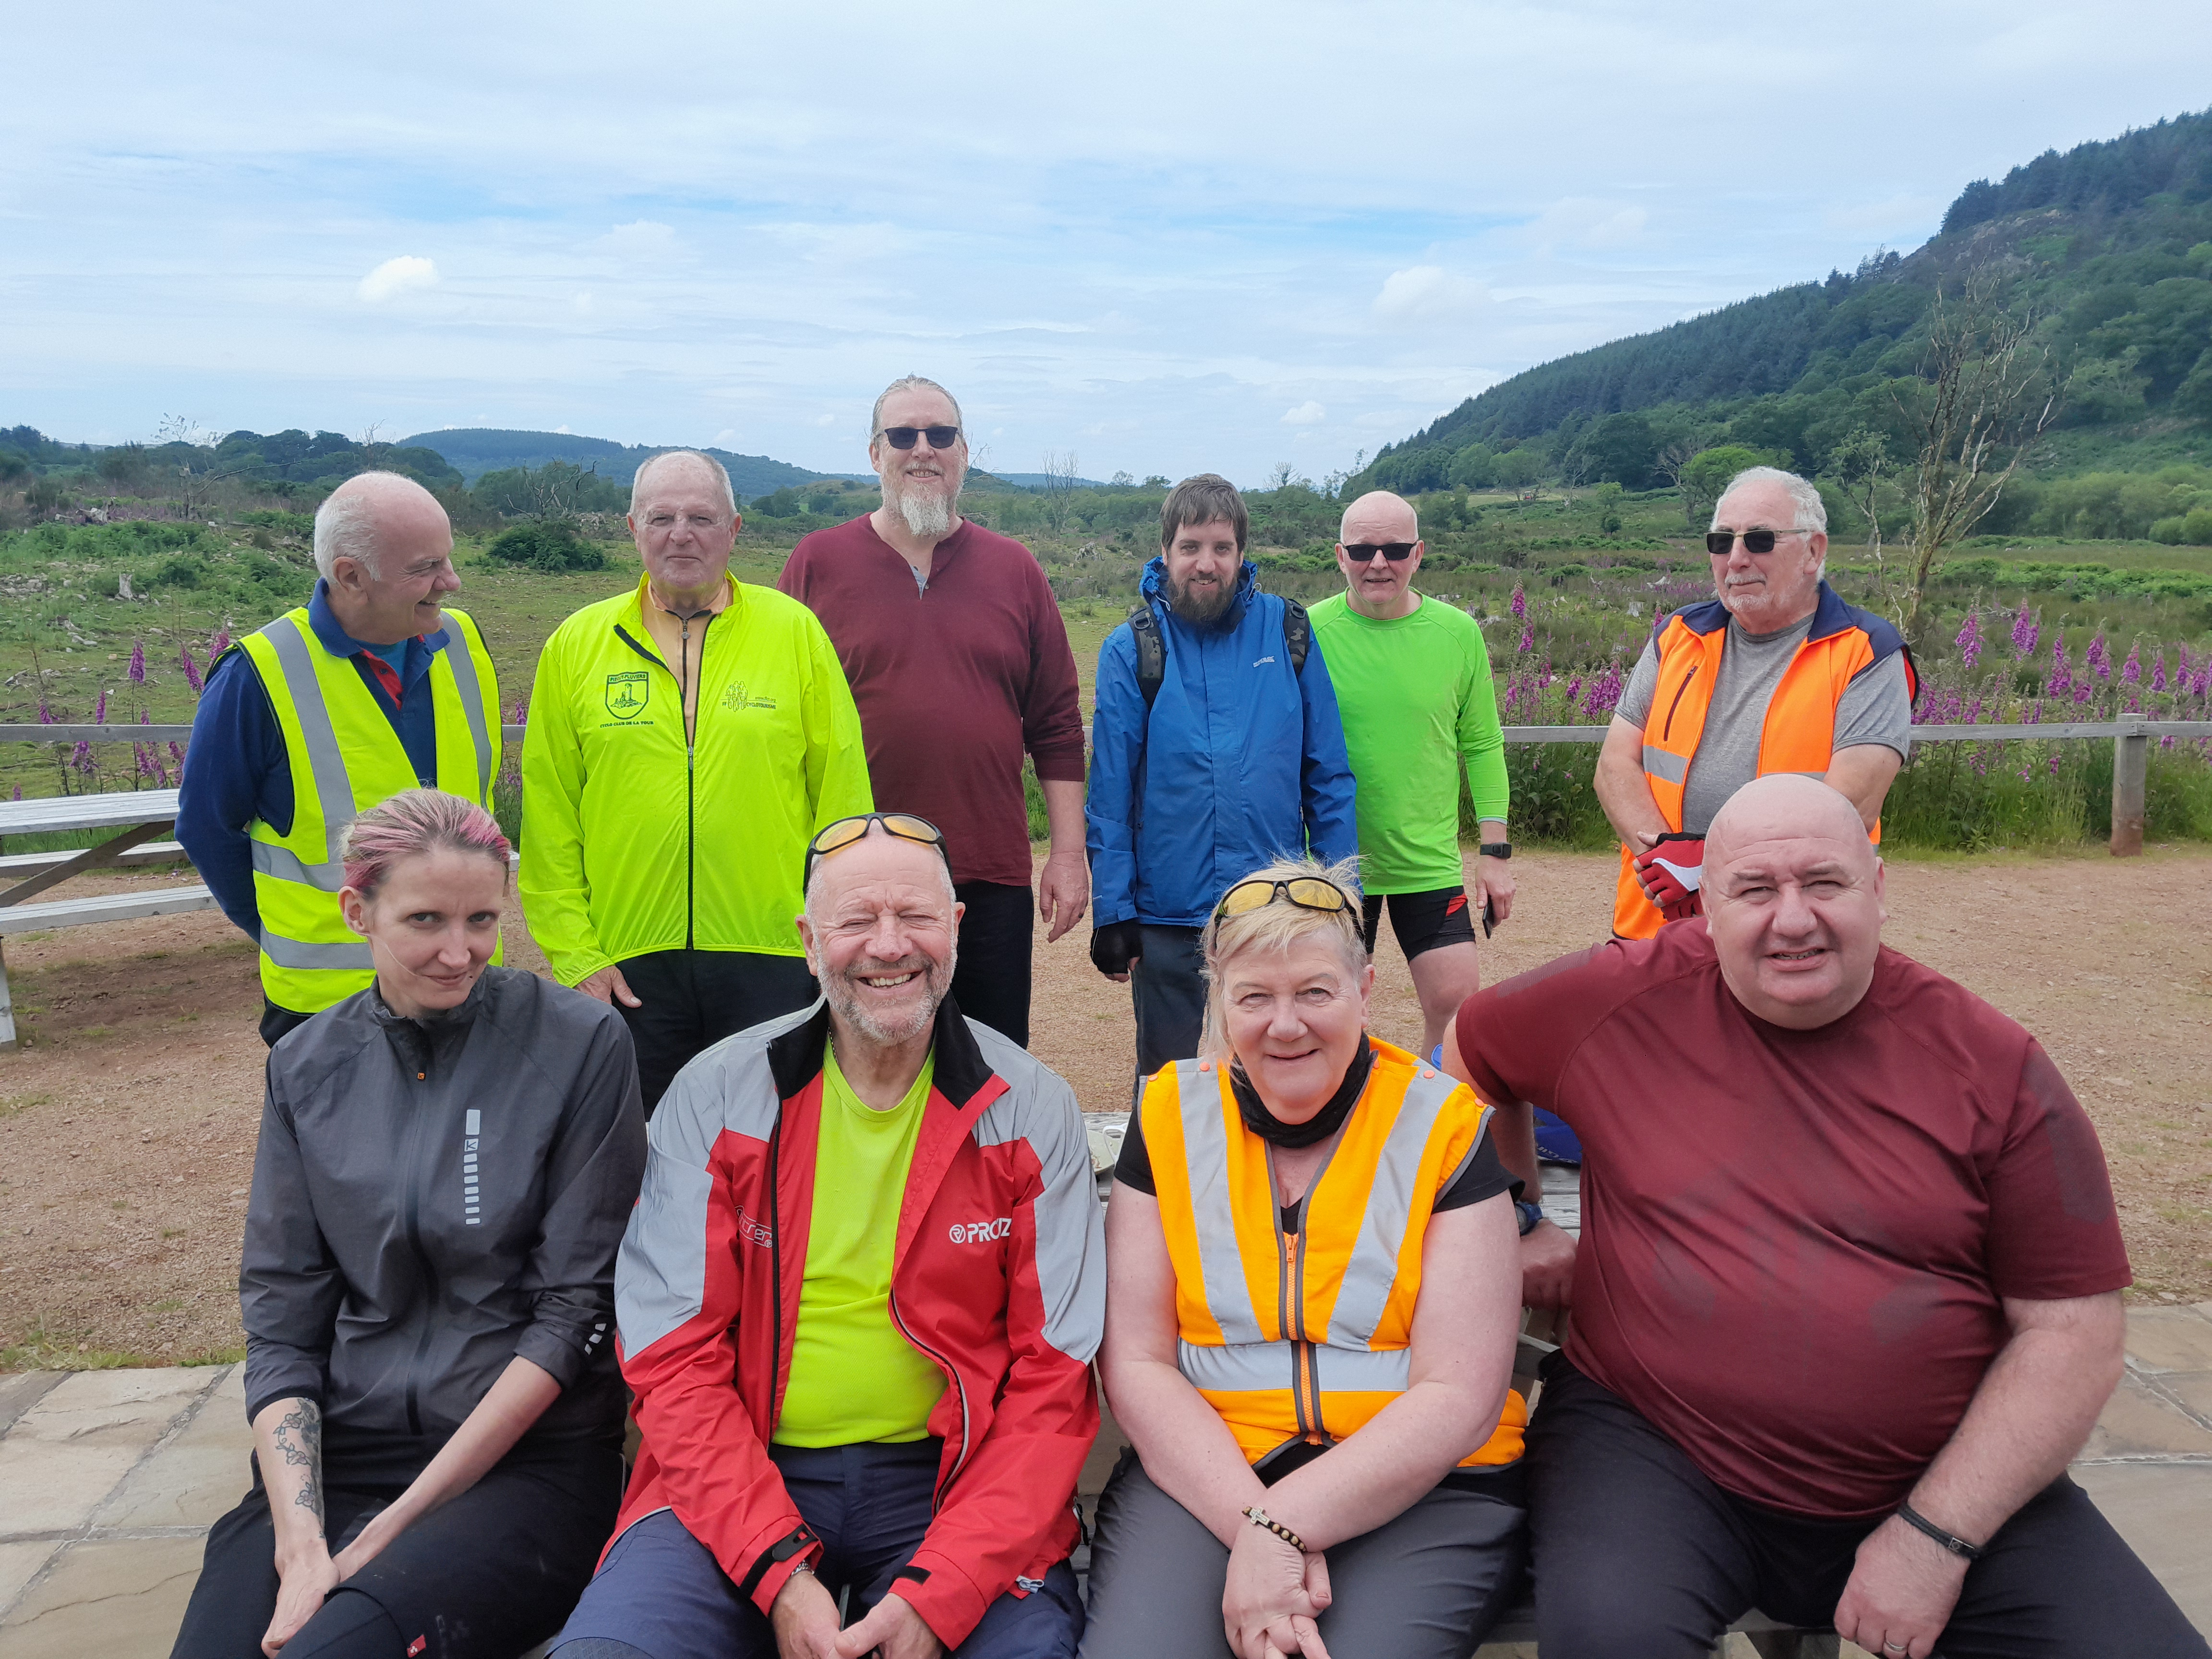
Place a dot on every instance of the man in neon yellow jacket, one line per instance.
(685, 741)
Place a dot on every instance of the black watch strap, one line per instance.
(1496, 849)
(1951, 1541)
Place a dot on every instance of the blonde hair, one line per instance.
(1277, 927)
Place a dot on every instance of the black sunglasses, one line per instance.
(1719, 542)
(1364, 552)
(845, 831)
(903, 437)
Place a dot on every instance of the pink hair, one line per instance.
(413, 821)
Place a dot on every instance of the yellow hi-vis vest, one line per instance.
(345, 758)
(1305, 1335)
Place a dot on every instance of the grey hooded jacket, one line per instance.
(431, 1198)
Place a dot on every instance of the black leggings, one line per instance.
(1635, 1552)
(487, 1575)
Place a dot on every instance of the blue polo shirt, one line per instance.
(237, 771)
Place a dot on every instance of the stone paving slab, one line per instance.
(69, 1450)
(195, 1476)
(2165, 1512)
(119, 1599)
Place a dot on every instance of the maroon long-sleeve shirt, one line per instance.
(954, 681)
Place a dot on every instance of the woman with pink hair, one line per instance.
(445, 1164)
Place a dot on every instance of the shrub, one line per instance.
(547, 544)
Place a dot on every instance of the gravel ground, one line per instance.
(127, 1119)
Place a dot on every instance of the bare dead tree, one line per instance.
(1059, 472)
(1983, 401)
(1670, 464)
(1859, 464)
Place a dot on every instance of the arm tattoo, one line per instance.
(300, 1438)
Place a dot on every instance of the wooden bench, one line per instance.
(82, 913)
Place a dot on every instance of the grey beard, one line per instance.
(847, 1007)
(926, 514)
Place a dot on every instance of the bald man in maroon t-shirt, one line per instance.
(1847, 1297)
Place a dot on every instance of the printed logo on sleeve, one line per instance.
(981, 1233)
(471, 1189)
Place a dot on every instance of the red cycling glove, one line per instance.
(1672, 872)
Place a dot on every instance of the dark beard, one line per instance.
(1199, 610)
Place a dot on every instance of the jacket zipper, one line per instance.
(690, 781)
(937, 1496)
(422, 1255)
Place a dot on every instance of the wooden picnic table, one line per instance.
(140, 814)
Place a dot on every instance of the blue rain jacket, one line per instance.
(1240, 762)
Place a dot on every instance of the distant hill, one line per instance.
(2110, 244)
(474, 451)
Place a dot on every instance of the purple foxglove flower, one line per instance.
(81, 757)
(2131, 670)
(18, 795)
(1527, 638)
(177, 753)
(220, 643)
(1574, 690)
(1520, 604)
(100, 710)
(138, 663)
(1970, 637)
(2157, 672)
(2097, 658)
(45, 715)
(191, 669)
(2024, 632)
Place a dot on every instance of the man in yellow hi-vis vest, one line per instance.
(686, 740)
(370, 688)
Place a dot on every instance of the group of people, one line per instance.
(766, 1169)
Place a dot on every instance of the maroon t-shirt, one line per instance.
(953, 682)
(1795, 1243)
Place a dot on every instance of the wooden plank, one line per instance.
(119, 732)
(105, 907)
(27, 864)
(91, 858)
(59, 812)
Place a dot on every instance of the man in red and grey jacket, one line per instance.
(858, 1302)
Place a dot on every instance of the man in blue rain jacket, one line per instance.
(1216, 749)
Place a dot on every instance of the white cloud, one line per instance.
(393, 277)
(1427, 296)
(1309, 413)
(1584, 222)
(563, 429)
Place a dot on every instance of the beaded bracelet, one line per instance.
(1258, 1518)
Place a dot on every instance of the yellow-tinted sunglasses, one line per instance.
(1307, 892)
(845, 831)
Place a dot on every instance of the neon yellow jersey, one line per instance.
(636, 840)
(1415, 695)
(853, 1376)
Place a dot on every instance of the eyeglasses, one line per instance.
(1719, 542)
(1307, 892)
(903, 437)
(1362, 552)
(832, 837)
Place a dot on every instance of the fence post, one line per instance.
(2130, 763)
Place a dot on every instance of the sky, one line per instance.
(1158, 238)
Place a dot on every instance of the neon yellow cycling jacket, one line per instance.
(636, 840)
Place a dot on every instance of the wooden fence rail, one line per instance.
(2130, 735)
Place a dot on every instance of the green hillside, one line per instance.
(475, 451)
(2108, 248)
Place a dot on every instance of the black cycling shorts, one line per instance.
(1422, 921)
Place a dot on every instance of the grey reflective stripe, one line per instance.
(1660, 764)
(299, 953)
(283, 864)
(1371, 1270)
(1205, 1147)
(1269, 1367)
(332, 788)
(464, 681)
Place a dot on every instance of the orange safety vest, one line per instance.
(1305, 1335)
(1799, 730)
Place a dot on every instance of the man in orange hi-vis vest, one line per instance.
(1774, 674)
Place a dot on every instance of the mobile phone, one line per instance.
(1489, 915)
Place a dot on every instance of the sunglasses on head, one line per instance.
(903, 437)
(1361, 552)
(832, 837)
(1719, 542)
(1307, 892)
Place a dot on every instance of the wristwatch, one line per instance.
(1530, 1214)
(1496, 849)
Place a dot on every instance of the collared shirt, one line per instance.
(237, 771)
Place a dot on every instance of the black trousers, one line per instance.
(1635, 1552)
(1168, 985)
(991, 981)
(487, 1575)
(691, 1000)
(277, 1023)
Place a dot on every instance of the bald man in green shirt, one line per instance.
(1412, 682)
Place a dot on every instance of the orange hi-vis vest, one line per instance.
(1303, 1336)
(1800, 730)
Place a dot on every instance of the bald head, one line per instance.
(372, 508)
(1376, 585)
(675, 469)
(1379, 516)
(385, 550)
(1792, 897)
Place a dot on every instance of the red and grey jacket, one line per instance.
(998, 1274)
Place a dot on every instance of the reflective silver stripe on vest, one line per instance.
(332, 788)
(1662, 764)
(1371, 1270)
(464, 681)
(283, 864)
(1205, 1147)
(299, 953)
(1269, 1367)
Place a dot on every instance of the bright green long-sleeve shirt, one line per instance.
(1417, 702)
(634, 842)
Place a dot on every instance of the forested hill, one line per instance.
(2109, 244)
(474, 451)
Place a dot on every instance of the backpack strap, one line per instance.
(1297, 635)
(1152, 651)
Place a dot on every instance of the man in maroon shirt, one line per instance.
(1847, 1300)
(959, 662)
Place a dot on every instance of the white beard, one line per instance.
(928, 514)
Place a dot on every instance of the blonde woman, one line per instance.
(1313, 1288)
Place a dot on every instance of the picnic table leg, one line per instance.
(7, 1003)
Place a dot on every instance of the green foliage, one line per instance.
(550, 544)
(556, 487)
